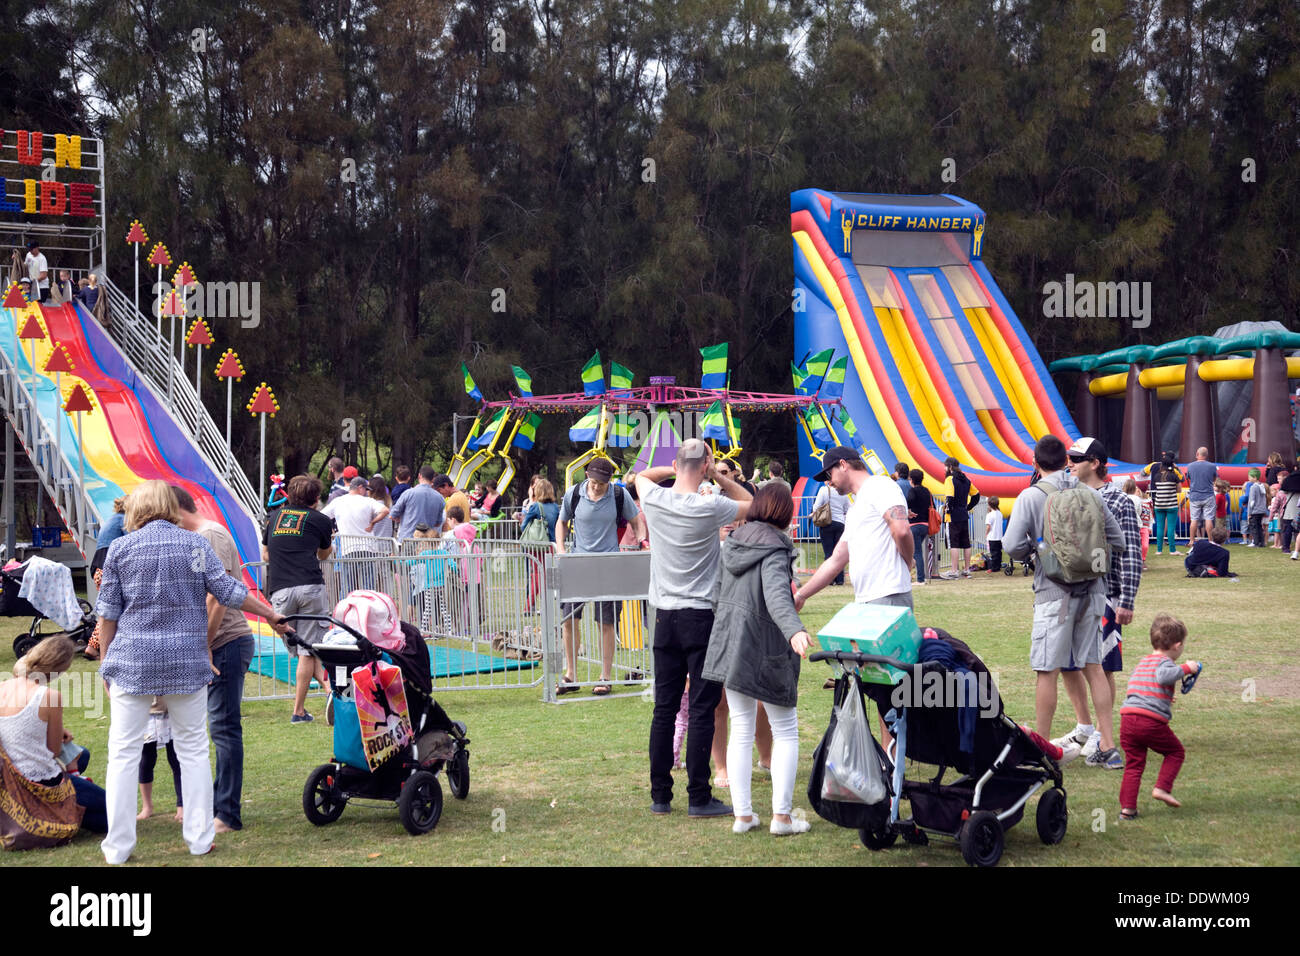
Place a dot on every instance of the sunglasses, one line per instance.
(1077, 459)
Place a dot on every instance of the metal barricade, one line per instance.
(605, 598)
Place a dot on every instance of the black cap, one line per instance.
(833, 457)
(33, 244)
(1088, 448)
(600, 468)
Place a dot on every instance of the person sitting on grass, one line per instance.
(1144, 718)
(1211, 555)
(45, 803)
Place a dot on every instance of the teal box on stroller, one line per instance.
(874, 629)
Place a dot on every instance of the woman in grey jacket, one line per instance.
(754, 651)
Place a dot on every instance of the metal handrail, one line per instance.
(55, 471)
(149, 353)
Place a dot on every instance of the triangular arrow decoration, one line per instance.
(31, 329)
(184, 276)
(78, 401)
(263, 402)
(230, 366)
(14, 298)
(173, 305)
(137, 233)
(159, 256)
(59, 360)
(199, 334)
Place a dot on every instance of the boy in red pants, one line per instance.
(1148, 708)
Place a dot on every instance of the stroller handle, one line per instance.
(294, 639)
(854, 657)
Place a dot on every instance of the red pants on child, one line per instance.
(1137, 735)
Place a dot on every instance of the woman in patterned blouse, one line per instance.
(153, 610)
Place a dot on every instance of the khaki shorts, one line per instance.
(303, 599)
(1067, 632)
(1202, 510)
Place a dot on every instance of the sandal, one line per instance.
(601, 690)
(566, 686)
(1126, 815)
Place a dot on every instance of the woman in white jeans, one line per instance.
(154, 637)
(754, 652)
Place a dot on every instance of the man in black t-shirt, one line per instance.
(296, 540)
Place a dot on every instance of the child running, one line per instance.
(1148, 709)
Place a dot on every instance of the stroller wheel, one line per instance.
(1052, 817)
(879, 839)
(982, 839)
(321, 800)
(24, 643)
(420, 805)
(458, 774)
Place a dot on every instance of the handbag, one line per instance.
(936, 523)
(535, 533)
(821, 516)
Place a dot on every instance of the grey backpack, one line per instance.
(1072, 544)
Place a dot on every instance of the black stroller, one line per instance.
(408, 777)
(1000, 771)
(11, 605)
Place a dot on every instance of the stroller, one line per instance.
(1000, 771)
(1026, 566)
(406, 773)
(11, 605)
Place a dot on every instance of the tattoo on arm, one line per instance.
(896, 513)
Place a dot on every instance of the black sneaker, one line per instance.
(303, 718)
(714, 808)
(661, 809)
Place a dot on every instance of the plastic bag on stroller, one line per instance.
(853, 771)
(854, 815)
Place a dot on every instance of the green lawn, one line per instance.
(569, 784)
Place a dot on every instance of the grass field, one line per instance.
(568, 785)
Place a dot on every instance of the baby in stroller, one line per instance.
(391, 738)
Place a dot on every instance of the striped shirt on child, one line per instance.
(1151, 688)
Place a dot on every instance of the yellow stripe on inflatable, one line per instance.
(1105, 385)
(1014, 381)
(994, 435)
(999, 360)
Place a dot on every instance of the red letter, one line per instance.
(54, 199)
(81, 200)
(29, 148)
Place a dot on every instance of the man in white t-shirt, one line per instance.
(38, 270)
(356, 514)
(877, 539)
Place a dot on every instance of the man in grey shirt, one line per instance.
(421, 505)
(1200, 495)
(595, 508)
(1067, 617)
(685, 555)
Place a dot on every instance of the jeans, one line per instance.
(830, 538)
(740, 746)
(128, 721)
(680, 643)
(224, 695)
(995, 556)
(920, 532)
(91, 797)
(1166, 521)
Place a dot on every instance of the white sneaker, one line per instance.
(1093, 742)
(789, 829)
(918, 584)
(965, 574)
(744, 826)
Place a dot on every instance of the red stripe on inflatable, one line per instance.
(1008, 433)
(826, 204)
(1023, 361)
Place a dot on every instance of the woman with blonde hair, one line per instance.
(153, 607)
(42, 803)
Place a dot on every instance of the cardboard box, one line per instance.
(874, 629)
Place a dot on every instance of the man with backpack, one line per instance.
(597, 511)
(1072, 534)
